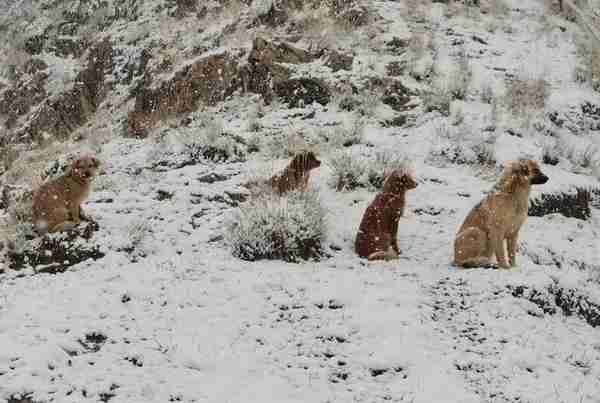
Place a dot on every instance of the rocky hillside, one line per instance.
(188, 287)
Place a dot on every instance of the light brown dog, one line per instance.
(377, 237)
(57, 203)
(296, 174)
(498, 217)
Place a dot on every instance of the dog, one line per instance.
(498, 217)
(295, 176)
(57, 203)
(377, 237)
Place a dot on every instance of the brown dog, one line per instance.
(377, 236)
(57, 203)
(296, 174)
(498, 217)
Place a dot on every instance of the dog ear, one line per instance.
(524, 168)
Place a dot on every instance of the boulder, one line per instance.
(303, 91)
(207, 80)
(338, 61)
(62, 114)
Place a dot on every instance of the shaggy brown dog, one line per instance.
(296, 174)
(377, 236)
(57, 203)
(497, 217)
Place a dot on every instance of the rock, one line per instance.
(35, 44)
(64, 113)
(208, 80)
(479, 39)
(25, 94)
(54, 253)
(397, 46)
(397, 96)
(265, 68)
(338, 61)
(303, 91)
(269, 52)
(184, 7)
(237, 197)
(212, 178)
(398, 121)
(214, 77)
(162, 195)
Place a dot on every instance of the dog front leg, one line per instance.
(75, 214)
(511, 244)
(498, 247)
(394, 236)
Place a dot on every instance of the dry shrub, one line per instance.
(350, 172)
(289, 228)
(349, 133)
(588, 69)
(487, 93)
(460, 78)
(54, 253)
(526, 94)
(438, 98)
(574, 203)
(460, 145)
(283, 145)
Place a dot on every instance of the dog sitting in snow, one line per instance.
(498, 217)
(295, 176)
(377, 237)
(57, 203)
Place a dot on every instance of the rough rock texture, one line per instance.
(207, 80)
(60, 115)
(303, 91)
(337, 61)
(26, 93)
(215, 77)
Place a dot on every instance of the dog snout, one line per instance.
(540, 179)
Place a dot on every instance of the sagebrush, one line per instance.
(289, 228)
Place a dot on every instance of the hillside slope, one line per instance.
(184, 101)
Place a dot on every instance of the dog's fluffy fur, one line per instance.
(377, 237)
(498, 217)
(295, 176)
(57, 203)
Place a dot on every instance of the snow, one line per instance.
(183, 320)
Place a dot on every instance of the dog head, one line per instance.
(399, 181)
(305, 161)
(85, 168)
(520, 174)
(531, 170)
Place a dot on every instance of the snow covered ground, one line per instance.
(168, 314)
